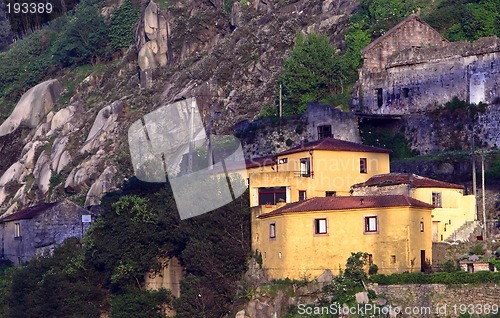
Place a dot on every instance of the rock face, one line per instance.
(153, 42)
(33, 106)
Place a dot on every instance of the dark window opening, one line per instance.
(380, 98)
(406, 92)
(331, 193)
(272, 195)
(272, 230)
(362, 165)
(302, 195)
(421, 226)
(437, 200)
(370, 259)
(371, 224)
(324, 131)
(320, 226)
(305, 167)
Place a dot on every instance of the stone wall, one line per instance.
(412, 32)
(43, 231)
(435, 296)
(272, 135)
(419, 79)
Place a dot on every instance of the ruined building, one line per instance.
(412, 68)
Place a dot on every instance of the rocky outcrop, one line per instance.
(33, 106)
(153, 42)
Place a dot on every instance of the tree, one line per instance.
(310, 74)
(5, 31)
(85, 39)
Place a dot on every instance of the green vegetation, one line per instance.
(123, 21)
(453, 278)
(465, 19)
(78, 38)
(380, 136)
(138, 231)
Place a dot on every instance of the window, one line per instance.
(380, 99)
(305, 167)
(406, 92)
(17, 230)
(272, 230)
(283, 160)
(272, 195)
(421, 226)
(324, 131)
(302, 195)
(393, 259)
(370, 259)
(331, 193)
(362, 165)
(371, 224)
(436, 199)
(320, 226)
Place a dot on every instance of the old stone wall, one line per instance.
(448, 300)
(412, 32)
(385, 190)
(272, 135)
(419, 79)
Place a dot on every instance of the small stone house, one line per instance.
(33, 230)
(412, 68)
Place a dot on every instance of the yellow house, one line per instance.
(452, 209)
(303, 239)
(327, 167)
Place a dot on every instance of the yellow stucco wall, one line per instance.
(455, 211)
(297, 252)
(330, 171)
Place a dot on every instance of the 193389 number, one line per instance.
(25, 7)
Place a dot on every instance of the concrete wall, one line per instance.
(297, 252)
(170, 277)
(330, 171)
(456, 210)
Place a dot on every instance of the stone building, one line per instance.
(412, 68)
(33, 230)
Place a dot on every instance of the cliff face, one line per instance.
(72, 143)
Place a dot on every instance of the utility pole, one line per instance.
(474, 190)
(209, 153)
(281, 104)
(485, 230)
(191, 135)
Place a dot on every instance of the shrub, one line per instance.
(477, 249)
(121, 30)
(373, 269)
(454, 278)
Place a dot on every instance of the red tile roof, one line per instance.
(335, 145)
(261, 162)
(382, 180)
(348, 203)
(29, 212)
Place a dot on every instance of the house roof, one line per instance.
(260, 162)
(334, 145)
(397, 27)
(29, 212)
(382, 180)
(348, 203)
